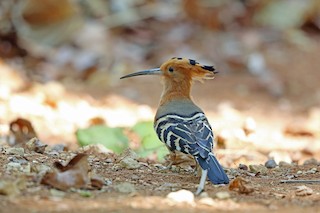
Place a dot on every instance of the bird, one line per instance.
(179, 123)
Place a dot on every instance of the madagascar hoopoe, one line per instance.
(181, 124)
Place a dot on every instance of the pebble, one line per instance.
(59, 148)
(40, 168)
(36, 145)
(17, 160)
(284, 164)
(175, 168)
(312, 171)
(13, 166)
(135, 177)
(109, 160)
(181, 196)
(223, 195)
(311, 161)
(15, 151)
(258, 169)
(270, 164)
(299, 172)
(125, 187)
(243, 167)
(129, 163)
(207, 201)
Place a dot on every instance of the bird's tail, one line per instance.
(216, 173)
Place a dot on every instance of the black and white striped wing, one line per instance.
(191, 135)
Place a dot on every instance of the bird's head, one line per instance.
(177, 69)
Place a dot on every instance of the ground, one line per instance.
(263, 105)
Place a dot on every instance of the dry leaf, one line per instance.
(303, 190)
(22, 130)
(73, 175)
(96, 182)
(241, 186)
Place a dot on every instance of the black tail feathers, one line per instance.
(216, 173)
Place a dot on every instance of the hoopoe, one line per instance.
(181, 124)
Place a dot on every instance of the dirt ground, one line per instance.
(266, 109)
(150, 184)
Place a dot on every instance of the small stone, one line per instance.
(129, 163)
(299, 172)
(13, 166)
(59, 148)
(40, 168)
(108, 160)
(175, 168)
(284, 164)
(36, 145)
(311, 161)
(15, 151)
(243, 167)
(270, 164)
(125, 187)
(312, 171)
(223, 195)
(207, 201)
(303, 190)
(203, 194)
(129, 153)
(53, 153)
(181, 196)
(258, 169)
(135, 177)
(17, 159)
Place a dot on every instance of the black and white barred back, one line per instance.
(188, 134)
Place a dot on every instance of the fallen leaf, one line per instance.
(303, 190)
(22, 131)
(241, 186)
(96, 182)
(73, 175)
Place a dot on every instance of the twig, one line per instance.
(300, 181)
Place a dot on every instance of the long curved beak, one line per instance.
(155, 71)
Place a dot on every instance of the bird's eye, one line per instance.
(170, 69)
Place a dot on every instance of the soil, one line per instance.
(286, 129)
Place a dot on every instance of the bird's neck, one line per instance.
(175, 91)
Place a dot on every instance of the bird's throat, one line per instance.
(175, 91)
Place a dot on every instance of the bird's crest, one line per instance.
(190, 67)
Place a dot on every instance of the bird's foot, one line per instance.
(197, 171)
(199, 191)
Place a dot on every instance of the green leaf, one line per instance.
(112, 138)
(150, 143)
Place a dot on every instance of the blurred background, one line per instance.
(60, 64)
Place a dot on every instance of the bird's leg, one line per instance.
(197, 169)
(202, 182)
(172, 159)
